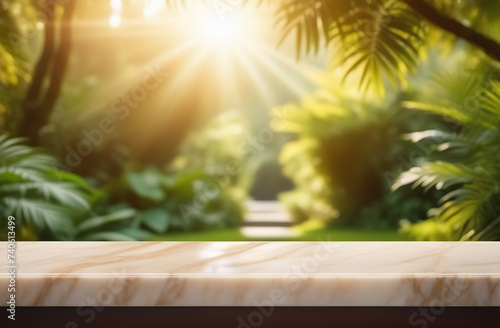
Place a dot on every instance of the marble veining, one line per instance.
(254, 274)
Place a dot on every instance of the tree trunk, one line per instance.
(38, 103)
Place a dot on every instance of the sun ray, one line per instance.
(259, 82)
(228, 90)
(273, 66)
(187, 71)
(172, 97)
(302, 68)
(230, 60)
(110, 92)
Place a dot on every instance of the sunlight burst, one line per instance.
(234, 49)
(220, 32)
(213, 31)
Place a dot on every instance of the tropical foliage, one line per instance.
(381, 40)
(197, 191)
(53, 204)
(46, 201)
(464, 162)
(342, 159)
(354, 139)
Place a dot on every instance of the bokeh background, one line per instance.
(250, 120)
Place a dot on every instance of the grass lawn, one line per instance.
(330, 234)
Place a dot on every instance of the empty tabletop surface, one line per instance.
(246, 273)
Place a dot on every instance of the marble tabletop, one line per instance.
(254, 274)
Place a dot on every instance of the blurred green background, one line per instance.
(250, 120)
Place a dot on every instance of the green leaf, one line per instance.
(156, 219)
(100, 221)
(147, 184)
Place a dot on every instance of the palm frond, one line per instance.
(474, 199)
(41, 216)
(43, 199)
(465, 163)
(468, 146)
(379, 39)
(471, 96)
(491, 100)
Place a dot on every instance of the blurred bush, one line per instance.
(176, 201)
(197, 191)
(345, 158)
(395, 208)
(221, 149)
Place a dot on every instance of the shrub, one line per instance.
(196, 191)
(343, 156)
(176, 201)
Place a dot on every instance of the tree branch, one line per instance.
(430, 13)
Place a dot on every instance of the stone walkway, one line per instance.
(267, 219)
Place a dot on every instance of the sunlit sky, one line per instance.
(239, 44)
(214, 62)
